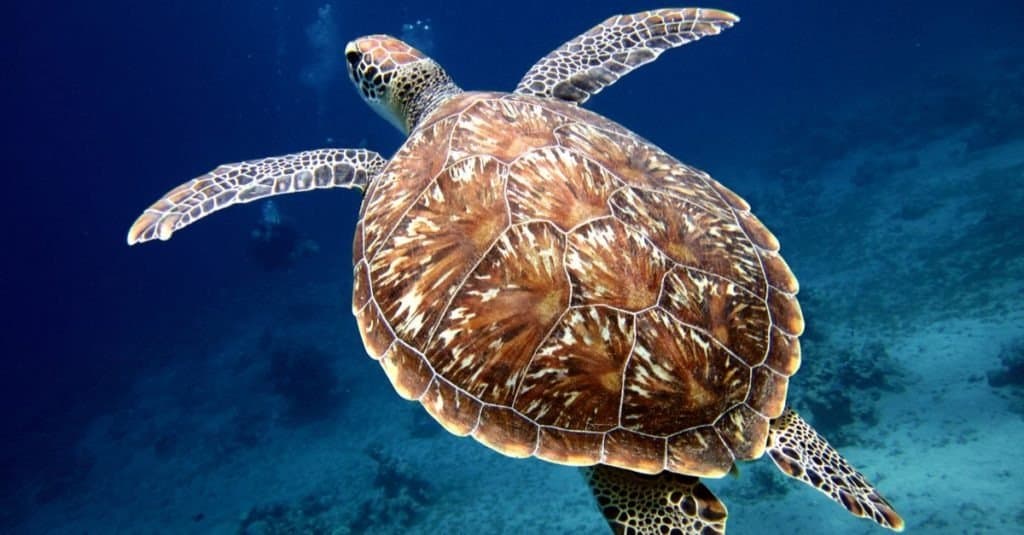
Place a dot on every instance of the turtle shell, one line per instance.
(544, 280)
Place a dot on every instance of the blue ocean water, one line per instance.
(202, 385)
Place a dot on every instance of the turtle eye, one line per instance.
(353, 57)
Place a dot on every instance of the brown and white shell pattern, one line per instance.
(550, 283)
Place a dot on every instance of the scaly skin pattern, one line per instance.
(584, 66)
(243, 182)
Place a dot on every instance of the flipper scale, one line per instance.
(801, 453)
(247, 181)
(596, 59)
(640, 504)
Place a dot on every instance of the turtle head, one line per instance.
(398, 81)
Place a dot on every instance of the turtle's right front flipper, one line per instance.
(582, 67)
(243, 182)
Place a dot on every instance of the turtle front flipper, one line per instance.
(243, 182)
(800, 452)
(596, 59)
(640, 504)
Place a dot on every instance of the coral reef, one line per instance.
(314, 514)
(400, 499)
(394, 504)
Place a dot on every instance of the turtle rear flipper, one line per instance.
(640, 504)
(243, 182)
(800, 452)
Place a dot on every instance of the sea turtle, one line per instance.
(549, 282)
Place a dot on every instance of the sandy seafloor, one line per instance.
(913, 281)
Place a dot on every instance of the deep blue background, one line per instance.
(109, 104)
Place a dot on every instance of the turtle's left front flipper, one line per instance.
(248, 181)
(642, 504)
(800, 452)
(594, 60)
